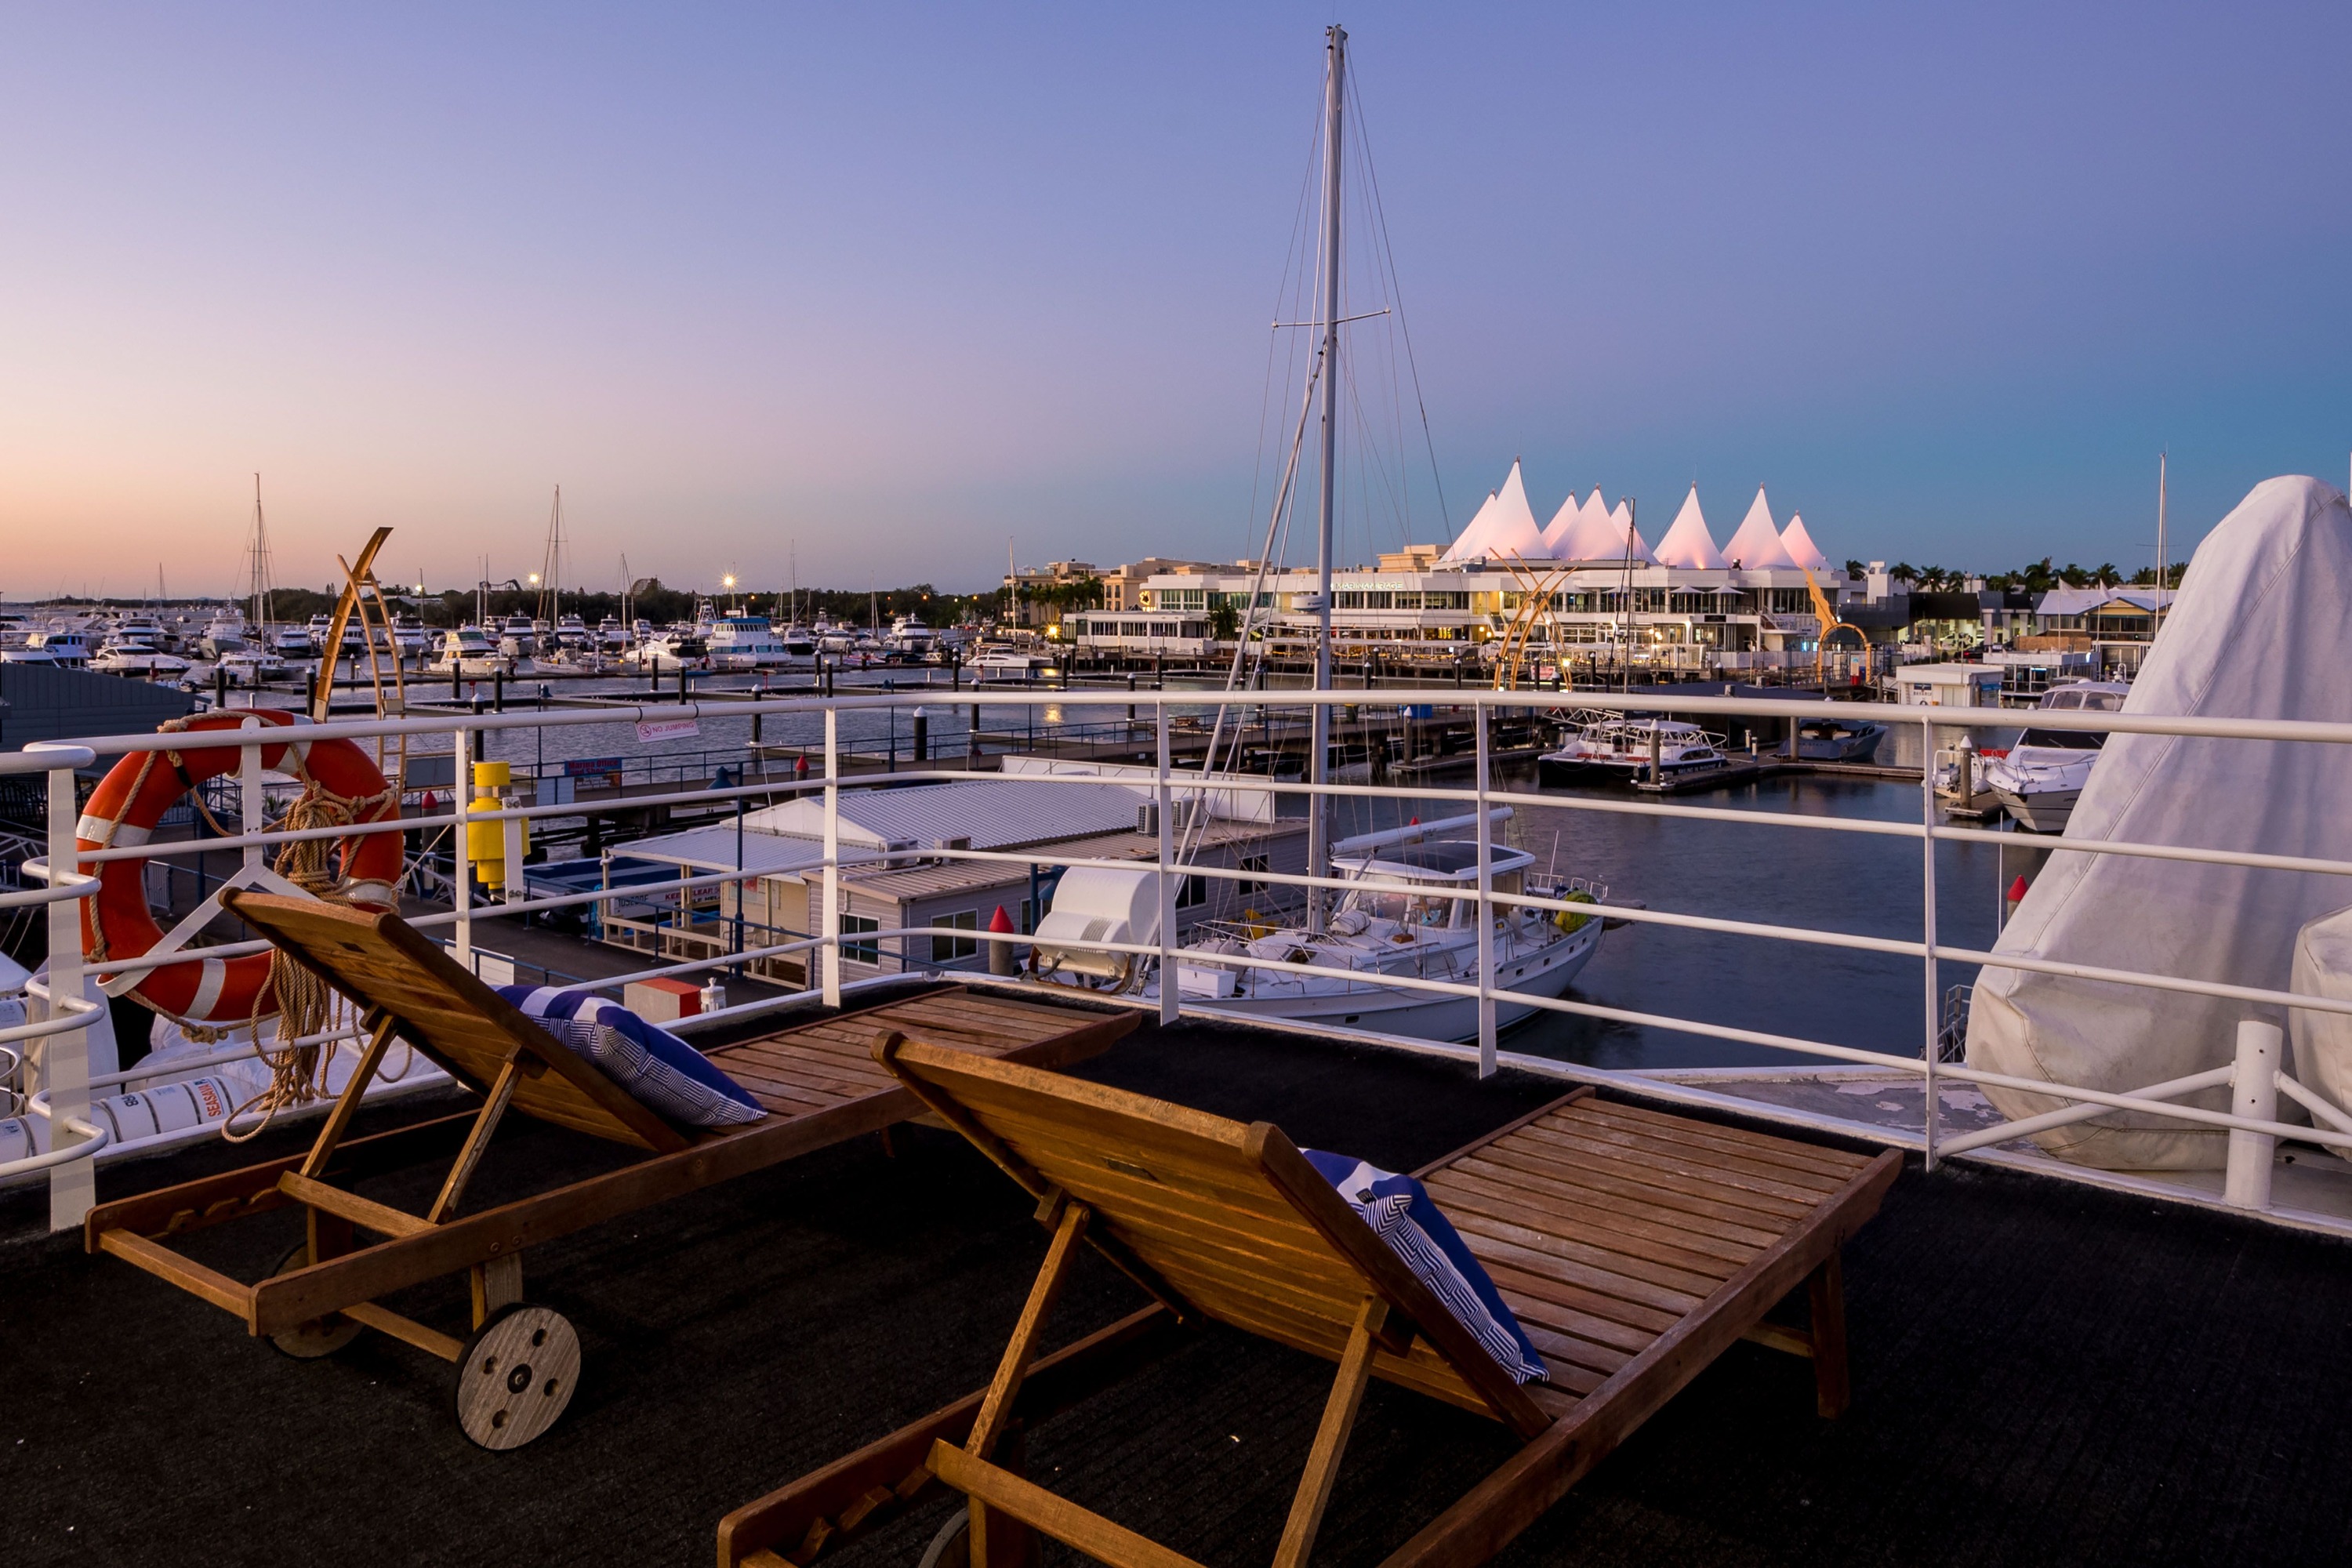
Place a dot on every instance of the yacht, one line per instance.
(571, 633)
(132, 654)
(750, 642)
(224, 633)
(612, 637)
(518, 637)
(249, 667)
(912, 638)
(67, 645)
(669, 649)
(1623, 746)
(1838, 739)
(293, 644)
(2039, 779)
(1421, 920)
(409, 636)
(468, 650)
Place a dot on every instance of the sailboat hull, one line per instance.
(1544, 973)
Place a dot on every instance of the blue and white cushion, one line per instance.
(659, 1070)
(1402, 1213)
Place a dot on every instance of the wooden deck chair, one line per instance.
(816, 1082)
(1634, 1246)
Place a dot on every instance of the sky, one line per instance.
(875, 291)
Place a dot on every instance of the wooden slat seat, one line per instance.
(817, 1082)
(1634, 1246)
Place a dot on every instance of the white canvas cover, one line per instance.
(1756, 546)
(1800, 546)
(1689, 543)
(2323, 1041)
(2259, 631)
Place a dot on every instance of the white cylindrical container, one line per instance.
(2253, 1094)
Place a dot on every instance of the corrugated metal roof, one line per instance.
(714, 849)
(936, 877)
(993, 814)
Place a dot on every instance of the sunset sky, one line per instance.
(895, 284)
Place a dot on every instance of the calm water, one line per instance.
(1788, 875)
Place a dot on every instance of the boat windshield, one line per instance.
(2062, 740)
(1406, 909)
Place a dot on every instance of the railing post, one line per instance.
(252, 804)
(1171, 989)
(2253, 1094)
(461, 859)
(65, 1057)
(1486, 905)
(1929, 1115)
(831, 923)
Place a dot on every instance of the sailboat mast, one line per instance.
(1318, 828)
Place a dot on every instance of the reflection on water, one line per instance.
(1732, 870)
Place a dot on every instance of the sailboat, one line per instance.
(1418, 915)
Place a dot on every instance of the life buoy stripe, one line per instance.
(132, 798)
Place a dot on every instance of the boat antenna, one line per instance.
(1319, 755)
(2156, 618)
(1625, 603)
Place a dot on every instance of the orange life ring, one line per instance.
(132, 798)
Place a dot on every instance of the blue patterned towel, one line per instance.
(659, 1070)
(1402, 1213)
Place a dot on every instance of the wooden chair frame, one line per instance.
(407, 987)
(973, 1445)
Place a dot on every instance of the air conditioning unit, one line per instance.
(1181, 816)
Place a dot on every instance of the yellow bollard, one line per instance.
(485, 842)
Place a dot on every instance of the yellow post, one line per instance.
(485, 842)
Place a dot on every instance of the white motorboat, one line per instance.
(911, 638)
(136, 657)
(409, 636)
(670, 649)
(2039, 779)
(571, 633)
(750, 642)
(250, 667)
(225, 634)
(1417, 917)
(293, 644)
(69, 647)
(518, 638)
(468, 650)
(1630, 748)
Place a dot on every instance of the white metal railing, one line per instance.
(2251, 1121)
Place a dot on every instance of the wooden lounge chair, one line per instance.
(1634, 1246)
(816, 1082)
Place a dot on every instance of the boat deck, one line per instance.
(2043, 1372)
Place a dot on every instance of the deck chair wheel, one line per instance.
(320, 1336)
(952, 1547)
(517, 1375)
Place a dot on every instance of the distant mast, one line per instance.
(2156, 617)
(257, 564)
(1319, 819)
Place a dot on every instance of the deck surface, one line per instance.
(1603, 1223)
(2044, 1374)
(815, 1067)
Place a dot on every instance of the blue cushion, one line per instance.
(660, 1071)
(1402, 1213)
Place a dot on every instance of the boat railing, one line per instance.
(1931, 1058)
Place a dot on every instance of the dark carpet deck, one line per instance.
(2042, 1373)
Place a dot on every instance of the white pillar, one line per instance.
(1171, 993)
(1486, 908)
(65, 1057)
(832, 919)
(2253, 1094)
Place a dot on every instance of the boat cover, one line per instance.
(2258, 631)
(2323, 1041)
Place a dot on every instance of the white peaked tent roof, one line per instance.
(1802, 551)
(1757, 545)
(1505, 525)
(1689, 543)
(1597, 536)
(1470, 544)
(1562, 528)
(1620, 527)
